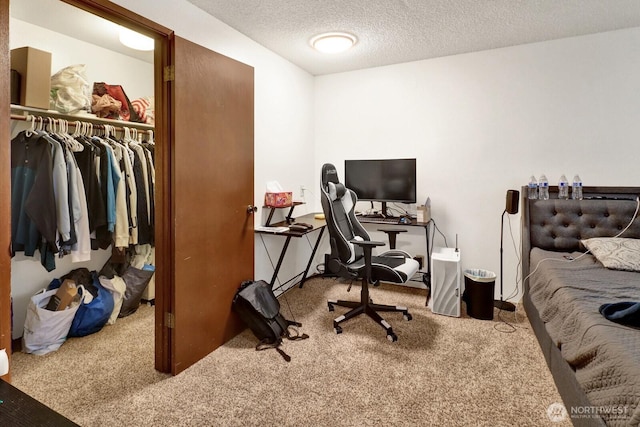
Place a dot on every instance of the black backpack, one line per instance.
(259, 308)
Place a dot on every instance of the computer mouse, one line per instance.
(405, 220)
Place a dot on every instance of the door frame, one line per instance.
(5, 185)
(163, 137)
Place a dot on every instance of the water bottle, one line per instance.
(563, 187)
(533, 188)
(576, 188)
(543, 188)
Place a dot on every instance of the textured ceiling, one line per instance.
(396, 31)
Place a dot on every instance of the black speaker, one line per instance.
(513, 199)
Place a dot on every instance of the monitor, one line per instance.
(385, 180)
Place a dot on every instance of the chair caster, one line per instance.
(407, 316)
(392, 337)
(331, 307)
(337, 329)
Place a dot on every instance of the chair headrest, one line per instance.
(329, 174)
(336, 191)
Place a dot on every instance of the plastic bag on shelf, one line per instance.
(70, 90)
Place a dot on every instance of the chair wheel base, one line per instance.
(392, 337)
(337, 329)
(407, 316)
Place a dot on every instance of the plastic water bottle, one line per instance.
(563, 187)
(576, 188)
(533, 188)
(543, 188)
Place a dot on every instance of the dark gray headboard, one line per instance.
(559, 225)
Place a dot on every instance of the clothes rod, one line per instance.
(76, 122)
(70, 118)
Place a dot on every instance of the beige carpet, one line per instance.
(443, 371)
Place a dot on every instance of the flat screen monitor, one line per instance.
(386, 180)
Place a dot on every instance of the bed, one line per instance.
(595, 362)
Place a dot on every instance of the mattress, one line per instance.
(567, 290)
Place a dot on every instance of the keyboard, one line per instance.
(379, 220)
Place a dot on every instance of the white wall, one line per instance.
(482, 123)
(135, 76)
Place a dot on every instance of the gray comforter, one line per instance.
(605, 355)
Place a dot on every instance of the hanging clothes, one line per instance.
(74, 193)
(33, 206)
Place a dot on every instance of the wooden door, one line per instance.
(5, 183)
(212, 170)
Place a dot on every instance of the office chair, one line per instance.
(351, 254)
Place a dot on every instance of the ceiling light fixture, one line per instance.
(135, 40)
(333, 42)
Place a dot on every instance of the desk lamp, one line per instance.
(513, 198)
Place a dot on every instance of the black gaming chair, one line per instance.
(351, 254)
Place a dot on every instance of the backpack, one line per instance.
(259, 309)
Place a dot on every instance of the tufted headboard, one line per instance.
(559, 225)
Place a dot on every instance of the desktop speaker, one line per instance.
(513, 198)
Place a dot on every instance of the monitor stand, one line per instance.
(385, 213)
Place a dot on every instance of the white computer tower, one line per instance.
(446, 291)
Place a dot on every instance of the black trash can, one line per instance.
(479, 288)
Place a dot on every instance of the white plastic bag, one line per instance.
(45, 330)
(117, 287)
(70, 90)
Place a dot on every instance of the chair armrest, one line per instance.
(367, 246)
(392, 233)
(367, 243)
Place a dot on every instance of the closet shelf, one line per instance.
(22, 112)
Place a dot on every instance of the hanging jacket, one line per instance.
(33, 207)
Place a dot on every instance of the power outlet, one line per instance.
(302, 191)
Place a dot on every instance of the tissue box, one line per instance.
(34, 67)
(423, 214)
(278, 200)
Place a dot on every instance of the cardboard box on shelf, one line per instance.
(63, 298)
(278, 200)
(34, 67)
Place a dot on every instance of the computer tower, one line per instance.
(446, 292)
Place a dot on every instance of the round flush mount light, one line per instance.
(135, 40)
(333, 42)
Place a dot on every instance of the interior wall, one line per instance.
(482, 123)
(103, 65)
(135, 76)
(284, 138)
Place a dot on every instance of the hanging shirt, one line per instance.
(86, 161)
(60, 190)
(81, 251)
(33, 207)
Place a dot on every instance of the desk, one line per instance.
(318, 224)
(426, 277)
(19, 409)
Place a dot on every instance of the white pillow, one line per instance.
(615, 253)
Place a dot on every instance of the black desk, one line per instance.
(426, 277)
(19, 409)
(318, 224)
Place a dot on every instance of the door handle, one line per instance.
(252, 209)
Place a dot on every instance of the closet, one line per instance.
(118, 140)
(204, 188)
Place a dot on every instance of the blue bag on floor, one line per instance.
(94, 310)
